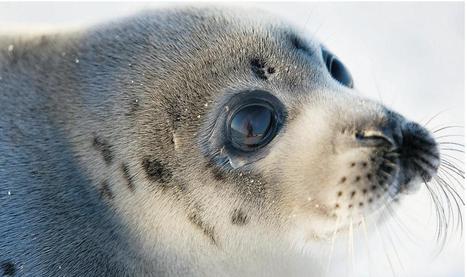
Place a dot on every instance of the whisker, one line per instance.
(453, 168)
(448, 136)
(384, 249)
(389, 236)
(433, 117)
(440, 219)
(451, 143)
(443, 155)
(448, 185)
(333, 239)
(447, 173)
(367, 244)
(446, 127)
(352, 258)
(452, 192)
(399, 223)
(453, 150)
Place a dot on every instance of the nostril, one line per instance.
(375, 138)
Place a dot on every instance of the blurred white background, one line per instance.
(410, 56)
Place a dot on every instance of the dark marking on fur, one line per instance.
(134, 106)
(352, 194)
(343, 179)
(239, 217)
(8, 268)
(259, 68)
(104, 147)
(129, 180)
(216, 172)
(207, 230)
(156, 170)
(339, 193)
(105, 191)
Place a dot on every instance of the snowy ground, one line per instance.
(410, 56)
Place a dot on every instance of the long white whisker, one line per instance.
(367, 244)
(384, 248)
(333, 240)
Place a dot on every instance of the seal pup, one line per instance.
(190, 142)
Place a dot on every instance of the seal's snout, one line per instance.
(419, 154)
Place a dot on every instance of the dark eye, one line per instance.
(337, 69)
(252, 126)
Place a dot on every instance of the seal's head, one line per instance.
(282, 136)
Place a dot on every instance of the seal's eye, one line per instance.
(337, 69)
(252, 126)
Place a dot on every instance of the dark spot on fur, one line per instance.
(370, 200)
(364, 191)
(217, 173)
(9, 268)
(369, 176)
(373, 187)
(343, 179)
(156, 170)
(357, 178)
(352, 194)
(360, 204)
(350, 206)
(337, 206)
(364, 164)
(352, 164)
(258, 68)
(105, 191)
(134, 106)
(104, 147)
(128, 178)
(207, 230)
(239, 217)
(339, 193)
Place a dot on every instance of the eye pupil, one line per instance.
(337, 69)
(251, 125)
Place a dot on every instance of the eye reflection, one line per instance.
(251, 125)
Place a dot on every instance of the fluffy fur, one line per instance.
(108, 166)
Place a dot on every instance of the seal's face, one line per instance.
(322, 153)
(264, 129)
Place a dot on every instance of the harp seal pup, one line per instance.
(190, 142)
